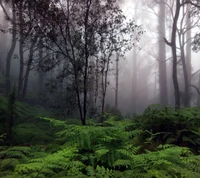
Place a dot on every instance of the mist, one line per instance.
(145, 62)
(99, 88)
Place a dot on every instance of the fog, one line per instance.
(140, 78)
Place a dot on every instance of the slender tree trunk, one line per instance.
(162, 56)
(4, 42)
(96, 82)
(26, 77)
(40, 73)
(188, 49)
(11, 50)
(104, 83)
(21, 53)
(198, 98)
(181, 36)
(135, 72)
(186, 90)
(85, 82)
(173, 46)
(134, 81)
(182, 42)
(103, 91)
(117, 83)
(11, 116)
(91, 85)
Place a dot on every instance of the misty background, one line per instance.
(144, 71)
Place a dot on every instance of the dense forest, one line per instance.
(99, 88)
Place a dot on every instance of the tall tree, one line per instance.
(188, 46)
(117, 81)
(178, 5)
(21, 24)
(173, 46)
(162, 55)
(13, 42)
(91, 30)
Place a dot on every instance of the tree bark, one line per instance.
(173, 46)
(21, 53)
(162, 56)
(188, 49)
(40, 73)
(198, 98)
(135, 72)
(26, 77)
(117, 83)
(11, 50)
(134, 81)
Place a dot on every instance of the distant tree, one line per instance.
(25, 29)
(13, 43)
(116, 82)
(162, 55)
(179, 7)
(90, 31)
(11, 115)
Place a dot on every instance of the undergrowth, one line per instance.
(159, 143)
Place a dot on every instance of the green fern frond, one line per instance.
(122, 163)
(9, 163)
(101, 152)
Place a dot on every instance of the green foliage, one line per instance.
(164, 126)
(30, 133)
(2, 137)
(10, 157)
(111, 111)
(157, 144)
(26, 127)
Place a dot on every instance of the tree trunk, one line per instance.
(186, 64)
(174, 54)
(188, 50)
(198, 98)
(134, 81)
(26, 77)
(105, 71)
(40, 73)
(96, 82)
(117, 83)
(21, 53)
(85, 82)
(186, 87)
(11, 50)
(162, 56)
(11, 116)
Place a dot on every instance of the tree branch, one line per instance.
(167, 42)
(197, 89)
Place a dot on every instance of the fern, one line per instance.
(164, 125)
(10, 158)
(52, 164)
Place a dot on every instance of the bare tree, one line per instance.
(162, 55)
(13, 44)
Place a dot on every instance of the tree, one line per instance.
(179, 5)
(13, 44)
(162, 55)
(173, 46)
(11, 115)
(90, 31)
(117, 82)
(25, 24)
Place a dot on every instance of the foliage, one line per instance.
(113, 149)
(10, 157)
(196, 43)
(167, 126)
(26, 128)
